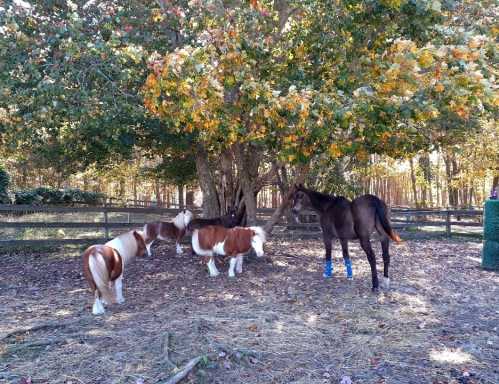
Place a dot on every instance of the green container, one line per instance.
(490, 253)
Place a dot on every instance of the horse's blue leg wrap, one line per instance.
(348, 266)
(328, 269)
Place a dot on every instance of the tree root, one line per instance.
(184, 371)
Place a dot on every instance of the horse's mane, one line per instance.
(319, 199)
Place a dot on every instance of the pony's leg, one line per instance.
(385, 244)
(212, 268)
(179, 248)
(148, 248)
(365, 243)
(98, 307)
(328, 266)
(233, 262)
(118, 284)
(346, 258)
(239, 264)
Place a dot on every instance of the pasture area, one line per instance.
(278, 322)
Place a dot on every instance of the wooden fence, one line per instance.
(106, 219)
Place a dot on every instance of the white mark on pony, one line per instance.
(239, 264)
(212, 268)
(257, 240)
(385, 282)
(197, 248)
(148, 248)
(218, 248)
(232, 266)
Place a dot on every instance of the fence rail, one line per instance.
(103, 219)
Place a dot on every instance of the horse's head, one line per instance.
(231, 220)
(258, 238)
(141, 243)
(299, 199)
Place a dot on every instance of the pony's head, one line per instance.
(258, 238)
(183, 218)
(141, 243)
(299, 199)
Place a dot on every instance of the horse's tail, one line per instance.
(382, 215)
(100, 276)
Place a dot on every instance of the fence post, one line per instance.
(106, 221)
(447, 224)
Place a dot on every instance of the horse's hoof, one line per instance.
(120, 301)
(375, 290)
(349, 277)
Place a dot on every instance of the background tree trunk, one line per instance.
(413, 183)
(211, 205)
(181, 204)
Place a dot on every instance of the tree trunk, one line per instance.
(413, 183)
(180, 196)
(211, 205)
(157, 192)
(247, 160)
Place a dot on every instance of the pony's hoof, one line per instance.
(375, 290)
(98, 310)
(349, 277)
(385, 283)
(121, 301)
(327, 276)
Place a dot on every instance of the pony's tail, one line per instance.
(100, 276)
(381, 212)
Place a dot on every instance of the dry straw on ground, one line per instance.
(279, 322)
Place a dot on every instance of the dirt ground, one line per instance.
(278, 322)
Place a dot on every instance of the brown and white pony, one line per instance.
(103, 267)
(229, 242)
(164, 230)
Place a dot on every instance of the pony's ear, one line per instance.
(138, 237)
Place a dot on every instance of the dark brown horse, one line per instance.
(346, 220)
(230, 220)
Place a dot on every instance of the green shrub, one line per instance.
(69, 196)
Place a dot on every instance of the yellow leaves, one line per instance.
(362, 154)
(459, 53)
(387, 87)
(335, 151)
(394, 4)
(425, 59)
(156, 15)
(151, 81)
(439, 87)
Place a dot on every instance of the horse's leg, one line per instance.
(98, 307)
(328, 266)
(346, 258)
(118, 284)
(239, 264)
(212, 268)
(233, 262)
(385, 244)
(365, 243)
